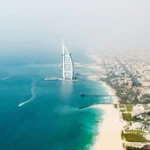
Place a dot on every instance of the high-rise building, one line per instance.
(68, 66)
(117, 70)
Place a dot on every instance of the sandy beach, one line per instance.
(109, 137)
(111, 91)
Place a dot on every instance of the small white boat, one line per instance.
(51, 79)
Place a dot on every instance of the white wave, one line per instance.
(27, 101)
(106, 97)
(107, 101)
(99, 126)
(6, 77)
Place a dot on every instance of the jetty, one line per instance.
(96, 95)
(90, 106)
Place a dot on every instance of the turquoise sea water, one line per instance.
(52, 118)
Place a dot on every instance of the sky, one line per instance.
(39, 26)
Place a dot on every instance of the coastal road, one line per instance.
(133, 78)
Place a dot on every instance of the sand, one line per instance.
(109, 137)
(111, 91)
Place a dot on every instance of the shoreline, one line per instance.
(109, 132)
(109, 137)
(111, 91)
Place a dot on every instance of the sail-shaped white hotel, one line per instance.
(68, 66)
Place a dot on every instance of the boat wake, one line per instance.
(24, 103)
(29, 100)
(6, 77)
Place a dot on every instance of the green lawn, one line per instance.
(129, 108)
(122, 110)
(135, 148)
(133, 137)
(121, 105)
(127, 116)
(137, 131)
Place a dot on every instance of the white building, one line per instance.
(137, 110)
(68, 67)
(137, 126)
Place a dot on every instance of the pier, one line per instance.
(103, 103)
(95, 95)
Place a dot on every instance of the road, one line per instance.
(133, 78)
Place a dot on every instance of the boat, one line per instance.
(51, 79)
(82, 94)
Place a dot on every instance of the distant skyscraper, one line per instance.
(68, 66)
(117, 69)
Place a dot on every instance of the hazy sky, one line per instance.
(101, 25)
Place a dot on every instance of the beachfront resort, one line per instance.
(127, 122)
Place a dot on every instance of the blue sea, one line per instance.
(51, 118)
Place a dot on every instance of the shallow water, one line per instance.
(50, 117)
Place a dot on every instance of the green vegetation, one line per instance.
(122, 110)
(129, 107)
(148, 113)
(135, 148)
(133, 137)
(115, 105)
(127, 96)
(127, 116)
(137, 131)
(121, 106)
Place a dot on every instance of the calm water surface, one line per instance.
(52, 119)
